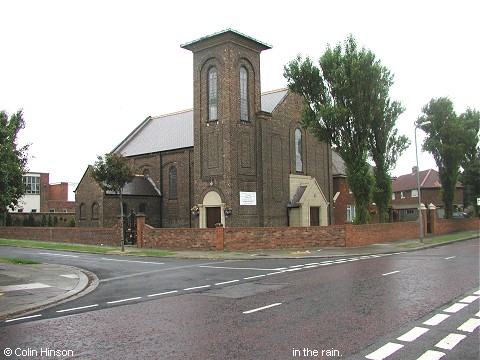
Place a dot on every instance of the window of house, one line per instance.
(243, 94)
(393, 196)
(298, 150)
(414, 193)
(83, 214)
(95, 211)
(212, 94)
(350, 213)
(172, 182)
(52, 210)
(32, 183)
(402, 195)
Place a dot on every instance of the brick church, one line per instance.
(240, 157)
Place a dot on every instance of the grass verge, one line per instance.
(18, 261)
(437, 240)
(83, 248)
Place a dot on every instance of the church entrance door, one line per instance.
(214, 216)
(314, 216)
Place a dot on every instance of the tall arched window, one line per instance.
(212, 94)
(83, 214)
(298, 150)
(243, 94)
(172, 182)
(95, 211)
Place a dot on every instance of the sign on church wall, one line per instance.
(248, 198)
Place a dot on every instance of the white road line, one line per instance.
(451, 257)
(24, 318)
(455, 308)
(470, 325)
(276, 272)
(240, 268)
(296, 266)
(163, 293)
(30, 286)
(261, 308)
(196, 287)
(431, 355)
(477, 314)
(437, 319)
(413, 334)
(123, 300)
(340, 261)
(312, 264)
(469, 299)
(385, 351)
(70, 276)
(450, 341)
(390, 273)
(75, 256)
(326, 263)
(227, 282)
(253, 277)
(135, 261)
(77, 308)
(476, 292)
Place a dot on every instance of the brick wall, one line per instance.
(358, 235)
(88, 236)
(178, 238)
(447, 226)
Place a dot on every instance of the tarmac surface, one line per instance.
(28, 288)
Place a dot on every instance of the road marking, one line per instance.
(385, 351)
(296, 266)
(77, 308)
(390, 273)
(451, 257)
(253, 277)
(240, 268)
(310, 266)
(437, 319)
(290, 270)
(277, 272)
(413, 334)
(450, 341)
(196, 287)
(477, 314)
(470, 325)
(261, 308)
(123, 300)
(163, 293)
(51, 254)
(455, 308)
(30, 286)
(227, 282)
(476, 292)
(23, 318)
(70, 276)
(135, 261)
(469, 299)
(431, 355)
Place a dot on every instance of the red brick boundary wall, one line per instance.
(87, 236)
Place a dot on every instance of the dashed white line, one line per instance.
(135, 261)
(276, 272)
(296, 266)
(123, 300)
(455, 308)
(163, 293)
(450, 341)
(24, 318)
(227, 282)
(385, 351)
(77, 308)
(470, 325)
(196, 287)
(413, 334)
(476, 292)
(477, 314)
(451, 257)
(390, 273)
(437, 319)
(253, 277)
(431, 355)
(63, 255)
(239, 268)
(261, 308)
(469, 299)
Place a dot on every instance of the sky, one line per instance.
(86, 73)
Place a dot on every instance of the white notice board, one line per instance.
(248, 198)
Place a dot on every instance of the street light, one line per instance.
(420, 217)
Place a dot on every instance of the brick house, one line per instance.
(405, 194)
(240, 157)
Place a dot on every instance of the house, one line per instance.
(240, 157)
(405, 194)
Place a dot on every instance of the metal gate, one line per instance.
(130, 228)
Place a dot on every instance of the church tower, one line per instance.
(227, 132)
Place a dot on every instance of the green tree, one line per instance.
(13, 162)
(112, 173)
(449, 138)
(349, 107)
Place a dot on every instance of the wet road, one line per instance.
(265, 309)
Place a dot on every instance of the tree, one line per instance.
(449, 138)
(13, 162)
(349, 107)
(112, 173)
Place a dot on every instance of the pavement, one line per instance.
(27, 288)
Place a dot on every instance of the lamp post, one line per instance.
(420, 217)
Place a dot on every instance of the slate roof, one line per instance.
(139, 186)
(175, 131)
(338, 165)
(428, 179)
(297, 196)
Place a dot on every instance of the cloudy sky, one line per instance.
(86, 73)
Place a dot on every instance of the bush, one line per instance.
(72, 223)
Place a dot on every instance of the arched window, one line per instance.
(142, 208)
(83, 214)
(243, 94)
(95, 211)
(172, 182)
(212, 94)
(298, 150)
